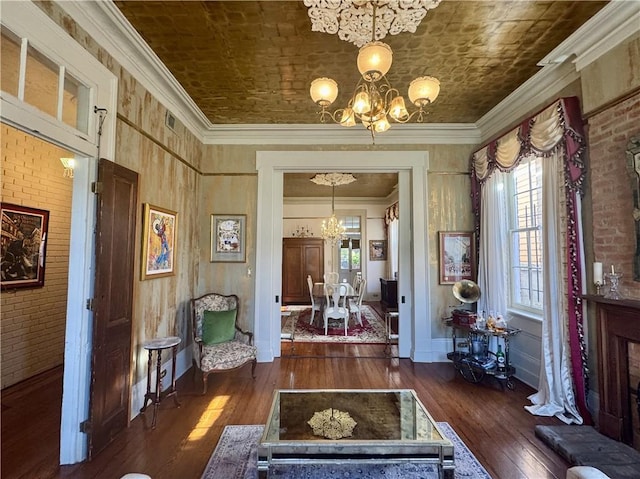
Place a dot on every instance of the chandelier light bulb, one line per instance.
(398, 110)
(361, 103)
(323, 91)
(348, 118)
(374, 60)
(382, 125)
(424, 90)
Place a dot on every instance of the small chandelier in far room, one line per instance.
(332, 230)
(374, 102)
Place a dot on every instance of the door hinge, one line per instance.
(96, 187)
(90, 304)
(85, 426)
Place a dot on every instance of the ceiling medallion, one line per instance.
(351, 20)
(374, 103)
(333, 179)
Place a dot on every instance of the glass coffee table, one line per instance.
(351, 426)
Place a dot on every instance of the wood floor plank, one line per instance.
(490, 420)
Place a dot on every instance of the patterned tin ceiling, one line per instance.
(251, 62)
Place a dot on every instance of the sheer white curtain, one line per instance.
(393, 248)
(493, 245)
(555, 395)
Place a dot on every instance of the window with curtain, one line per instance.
(526, 193)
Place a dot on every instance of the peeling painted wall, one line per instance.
(167, 163)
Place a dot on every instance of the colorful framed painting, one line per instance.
(457, 256)
(377, 250)
(24, 243)
(228, 238)
(159, 228)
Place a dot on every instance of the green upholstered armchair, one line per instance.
(219, 345)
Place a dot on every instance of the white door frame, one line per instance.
(28, 21)
(413, 281)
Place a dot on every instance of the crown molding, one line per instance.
(612, 25)
(359, 200)
(616, 22)
(541, 87)
(332, 134)
(104, 22)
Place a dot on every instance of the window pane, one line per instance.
(41, 82)
(10, 71)
(526, 231)
(75, 104)
(355, 257)
(344, 258)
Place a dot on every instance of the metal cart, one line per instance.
(472, 355)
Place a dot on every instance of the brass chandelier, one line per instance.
(332, 230)
(375, 102)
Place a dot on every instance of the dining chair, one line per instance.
(331, 278)
(357, 279)
(336, 306)
(355, 304)
(316, 303)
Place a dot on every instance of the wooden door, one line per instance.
(112, 303)
(300, 257)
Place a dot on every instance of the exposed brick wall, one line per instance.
(614, 240)
(33, 320)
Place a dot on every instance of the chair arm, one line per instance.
(248, 336)
(198, 341)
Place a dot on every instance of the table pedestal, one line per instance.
(155, 396)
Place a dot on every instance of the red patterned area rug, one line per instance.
(372, 330)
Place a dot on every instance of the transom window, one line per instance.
(37, 80)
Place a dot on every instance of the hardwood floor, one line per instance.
(491, 421)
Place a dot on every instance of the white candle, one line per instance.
(613, 271)
(597, 273)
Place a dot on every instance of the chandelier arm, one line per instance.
(335, 116)
(418, 113)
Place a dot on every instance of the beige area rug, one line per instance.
(372, 330)
(235, 457)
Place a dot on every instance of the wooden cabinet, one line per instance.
(300, 257)
(389, 294)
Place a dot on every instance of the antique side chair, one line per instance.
(219, 344)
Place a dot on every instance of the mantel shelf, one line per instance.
(623, 303)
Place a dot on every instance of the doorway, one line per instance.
(411, 166)
(350, 264)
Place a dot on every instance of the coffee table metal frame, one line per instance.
(353, 451)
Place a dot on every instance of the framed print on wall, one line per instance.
(24, 241)
(457, 256)
(377, 250)
(159, 227)
(228, 238)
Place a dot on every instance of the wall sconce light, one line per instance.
(68, 164)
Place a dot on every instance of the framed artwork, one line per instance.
(457, 256)
(159, 228)
(377, 250)
(24, 242)
(228, 238)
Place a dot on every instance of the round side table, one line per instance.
(158, 345)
